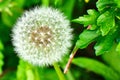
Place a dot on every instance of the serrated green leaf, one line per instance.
(89, 19)
(106, 22)
(105, 4)
(86, 37)
(105, 43)
(97, 67)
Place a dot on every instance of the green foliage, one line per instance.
(103, 5)
(27, 71)
(8, 19)
(65, 6)
(101, 26)
(104, 21)
(86, 37)
(112, 58)
(21, 74)
(105, 43)
(90, 19)
(97, 67)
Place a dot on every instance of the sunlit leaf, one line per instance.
(97, 67)
(105, 4)
(10, 20)
(89, 19)
(67, 8)
(105, 43)
(117, 2)
(86, 37)
(19, 3)
(4, 4)
(21, 74)
(106, 22)
(112, 58)
(29, 73)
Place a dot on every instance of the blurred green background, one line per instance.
(87, 67)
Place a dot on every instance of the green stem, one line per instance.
(45, 3)
(37, 77)
(59, 72)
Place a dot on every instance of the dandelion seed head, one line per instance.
(42, 36)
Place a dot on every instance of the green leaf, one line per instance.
(58, 3)
(105, 4)
(26, 71)
(19, 3)
(29, 73)
(112, 58)
(9, 20)
(105, 43)
(21, 75)
(4, 4)
(86, 37)
(67, 8)
(106, 22)
(117, 2)
(97, 67)
(89, 19)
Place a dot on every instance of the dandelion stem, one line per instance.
(59, 72)
(37, 77)
(70, 59)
